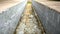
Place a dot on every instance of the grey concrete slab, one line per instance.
(49, 17)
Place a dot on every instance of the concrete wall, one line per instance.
(9, 18)
(50, 18)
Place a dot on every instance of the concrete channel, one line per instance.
(30, 18)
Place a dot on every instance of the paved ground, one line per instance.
(28, 23)
(6, 4)
(51, 4)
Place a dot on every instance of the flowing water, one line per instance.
(28, 23)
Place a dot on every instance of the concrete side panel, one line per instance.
(9, 18)
(50, 18)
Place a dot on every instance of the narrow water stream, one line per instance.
(28, 23)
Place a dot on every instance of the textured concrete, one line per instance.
(49, 17)
(10, 17)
